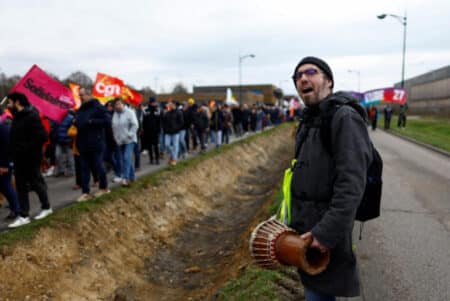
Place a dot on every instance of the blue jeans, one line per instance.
(182, 138)
(314, 296)
(92, 160)
(8, 191)
(117, 161)
(216, 137)
(127, 151)
(172, 144)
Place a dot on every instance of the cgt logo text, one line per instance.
(107, 90)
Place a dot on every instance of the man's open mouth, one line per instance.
(307, 90)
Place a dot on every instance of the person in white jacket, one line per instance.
(125, 126)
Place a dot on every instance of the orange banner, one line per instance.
(107, 87)
(76, 94)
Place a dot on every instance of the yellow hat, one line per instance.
(191, 101)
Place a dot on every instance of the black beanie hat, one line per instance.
(321, 64)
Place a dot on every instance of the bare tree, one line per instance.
(80, 78)
(6, 83)
(147, 92)
(180, 88)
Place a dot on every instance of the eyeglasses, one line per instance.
(308, 72)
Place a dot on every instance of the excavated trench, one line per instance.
(180, 240)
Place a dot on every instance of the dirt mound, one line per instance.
(178, 240)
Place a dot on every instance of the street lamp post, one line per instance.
(359, 78)
(403, 20)
(241, 58)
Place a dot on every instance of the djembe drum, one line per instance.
(273, 244)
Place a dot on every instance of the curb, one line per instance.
(427, 146)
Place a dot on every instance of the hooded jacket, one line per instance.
(91, 121)
(27, 136)
(327, 188)
(125, 126)
(62, 136)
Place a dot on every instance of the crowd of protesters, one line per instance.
(100, 138)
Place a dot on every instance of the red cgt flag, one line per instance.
(107, 87)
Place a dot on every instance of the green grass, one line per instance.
(428, 130)
(253, 284)
(67, 216)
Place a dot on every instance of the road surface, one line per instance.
(405, 254)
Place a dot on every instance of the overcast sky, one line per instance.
(158, 42)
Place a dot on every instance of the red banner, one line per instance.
(132, 97)
(49, 96)
(107, 87)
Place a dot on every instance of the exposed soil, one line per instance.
(180, 240)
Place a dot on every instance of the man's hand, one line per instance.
(3, 171)
(315, 244)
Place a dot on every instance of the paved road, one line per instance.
(405, 254)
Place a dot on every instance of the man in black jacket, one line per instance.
(151, 126)
(328, 184)
(201, 123)
(172, 123)
(91, 121)
(27, 138)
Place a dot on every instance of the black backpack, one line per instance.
(369, 207)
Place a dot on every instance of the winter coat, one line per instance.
(111, 143)
(187, 118)
(62, 137)
(125, 126)
(151, 123)
(200, 120)
(172, 122)
(27, 137)
(91, 121)
(327, 188)
(217, 121)
(227, 119)
(4, 145)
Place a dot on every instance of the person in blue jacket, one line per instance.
(6, 187)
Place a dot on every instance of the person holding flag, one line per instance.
(27, 137)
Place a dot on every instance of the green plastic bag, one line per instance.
(284, 212)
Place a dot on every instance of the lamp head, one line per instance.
(382, 16)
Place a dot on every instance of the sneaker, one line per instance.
(44, 213)
(125, 183)
(173, 162)
(102, 192)
(84, 197)
(117, 180)
(50, 172)
(20, 221)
